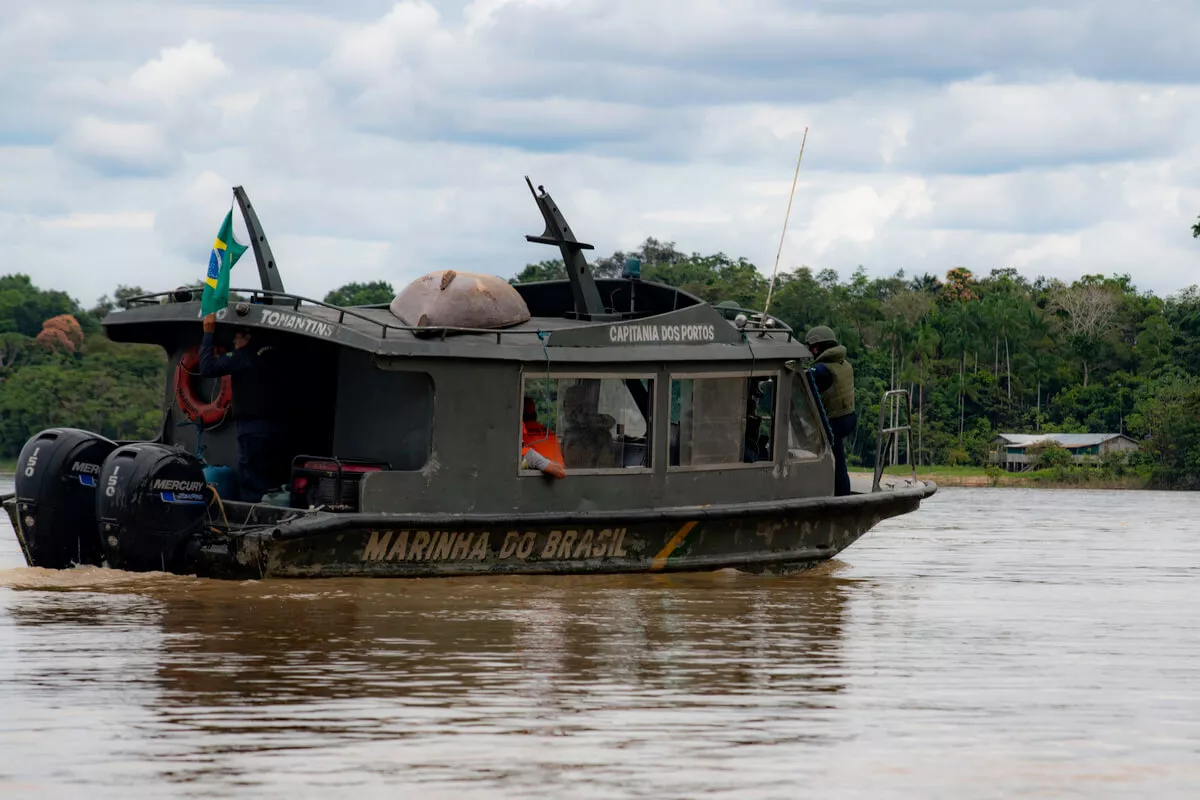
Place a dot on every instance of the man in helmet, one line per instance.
(835, 381)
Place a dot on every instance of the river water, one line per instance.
(997, 643)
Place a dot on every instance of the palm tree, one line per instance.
(924, 350)
(1039, 356)
(926, 284)
(962, 325)
(902, 312)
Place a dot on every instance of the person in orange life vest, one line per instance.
(539, 446)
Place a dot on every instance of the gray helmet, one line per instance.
(821, 334)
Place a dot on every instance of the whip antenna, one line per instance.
(771, 286)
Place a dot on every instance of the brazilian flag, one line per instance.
(225, 253)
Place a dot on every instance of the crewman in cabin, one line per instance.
(835, 381)
(757, 446)
(253, 381)
(539, 445)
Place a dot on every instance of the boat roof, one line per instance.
(580, 318)
(694, 330)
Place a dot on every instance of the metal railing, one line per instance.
(890, 405)
(295, 301)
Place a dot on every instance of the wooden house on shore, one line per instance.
(1018, 452)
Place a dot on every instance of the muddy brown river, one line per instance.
(997, 643)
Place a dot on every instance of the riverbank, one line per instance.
(1058, 478)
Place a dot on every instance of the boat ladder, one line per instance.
(890, 405)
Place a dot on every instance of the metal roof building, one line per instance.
(1067, 440)
(1011, 448)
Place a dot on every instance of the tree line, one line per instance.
(980, 353)
(57, 368)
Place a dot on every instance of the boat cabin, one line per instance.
(651, 397)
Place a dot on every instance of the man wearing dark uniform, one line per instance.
(253, 380)
(835, 381)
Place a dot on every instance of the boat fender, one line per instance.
(196, 410)
(56, 478)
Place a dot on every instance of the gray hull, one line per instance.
(777, 537)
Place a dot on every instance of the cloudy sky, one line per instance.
(381, 139)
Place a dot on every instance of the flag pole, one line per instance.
(787, 216)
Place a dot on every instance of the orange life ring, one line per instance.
(193, 408)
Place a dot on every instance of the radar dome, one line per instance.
(450, 299)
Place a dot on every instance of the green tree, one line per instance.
(980, 355)
(1182, 312)
(652, 253)
(1047, 455)
(361, 294)
(15, 349)
(549, 270)
(1153, 344)
(105, 305)
(24, 307)
(801, 299)
(1166, 416)
(712, 278)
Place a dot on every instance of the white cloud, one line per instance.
(25, 32)
(858, 214)
(317, 264)
(135, 146)
(128, 220)
(392, 139)
(180, 75)
(409, 34)
(481, 14)
(1048, 249)
(689, 217)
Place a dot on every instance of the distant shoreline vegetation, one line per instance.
(1059, 477)
(980, 354)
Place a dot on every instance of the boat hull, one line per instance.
(777, 538)
(758, 538)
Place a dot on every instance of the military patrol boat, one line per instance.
(691, 436)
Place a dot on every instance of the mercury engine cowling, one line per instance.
(151, 501)
(56, 480)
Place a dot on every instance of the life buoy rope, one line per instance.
(208, 412)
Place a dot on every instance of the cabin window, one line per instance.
(804, 433)
(719, 421)
(402, 400)
(592, 423)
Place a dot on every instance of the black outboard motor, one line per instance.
(56, 480)
(151, 501)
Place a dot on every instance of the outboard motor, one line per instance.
(56, 497)
(150, 502)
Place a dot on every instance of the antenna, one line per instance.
(771, 286)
